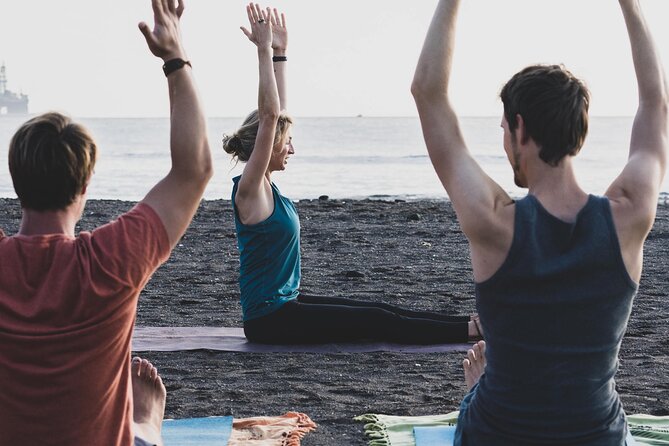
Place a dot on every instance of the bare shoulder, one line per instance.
(255, 205)
(491, 238)
(633, 221)
(633, 201)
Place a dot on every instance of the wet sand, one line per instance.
(405, 253)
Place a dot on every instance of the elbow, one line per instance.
(202, 171)
(418, 90)
(269, 108)
(207, 170)
(656, 99)
(424, 91)
(207, 164)
(658, 104)
(269, 113)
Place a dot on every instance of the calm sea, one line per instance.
(339, 157)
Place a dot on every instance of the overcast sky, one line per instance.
(346, 57)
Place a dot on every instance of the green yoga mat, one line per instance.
(389, 430)
(649, 430)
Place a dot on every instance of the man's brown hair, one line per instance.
(51, 160)
(554, 106)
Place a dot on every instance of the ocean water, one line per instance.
(362, 157)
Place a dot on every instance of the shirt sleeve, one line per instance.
(130, 248)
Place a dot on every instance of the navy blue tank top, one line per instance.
(554, 315)
(269, 257)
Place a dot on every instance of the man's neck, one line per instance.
(49, 222)
(557, 188)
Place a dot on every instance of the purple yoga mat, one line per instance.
(168, 339)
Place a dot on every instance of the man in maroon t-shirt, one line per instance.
(68, 303)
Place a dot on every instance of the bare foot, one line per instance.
(149, 394)
(474, 364)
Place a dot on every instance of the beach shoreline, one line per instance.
(410, 253)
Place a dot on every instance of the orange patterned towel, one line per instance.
(286, 430)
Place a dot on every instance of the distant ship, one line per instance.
(11, 103)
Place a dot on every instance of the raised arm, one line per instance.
(252, 196)
(636, 189)
(475, 196)
(280, 47)
(176, 197)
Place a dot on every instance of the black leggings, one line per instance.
(318, 319)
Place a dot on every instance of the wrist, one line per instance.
(177, 54)
(279, 51)
(173, 65)
(262, 49)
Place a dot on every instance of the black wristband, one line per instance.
(173, 65)
(279, 59)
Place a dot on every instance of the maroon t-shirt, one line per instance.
(67, 311)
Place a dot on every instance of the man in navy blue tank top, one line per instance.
(556, 271)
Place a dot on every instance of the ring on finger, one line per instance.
(261, 20)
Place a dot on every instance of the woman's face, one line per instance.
(281, 152)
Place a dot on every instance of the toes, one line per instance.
(145, 369)
(477, 351)
(471, 355)
(134, 365)
(159, 383)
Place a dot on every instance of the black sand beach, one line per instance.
(405, 253)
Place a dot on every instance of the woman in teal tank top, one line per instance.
(268, 232)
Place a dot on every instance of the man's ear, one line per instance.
(521, 131)
(83, 189)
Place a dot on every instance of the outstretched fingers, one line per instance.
(276, 21)
(261, 24)
(158, 11)
(146, 32)
(164, 39)
(250, 13)
(174, 7)
(257, 12)
(276, 18)
(168, 5)
(158, 6)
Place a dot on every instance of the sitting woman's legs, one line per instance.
(298, 321)
(312, 299)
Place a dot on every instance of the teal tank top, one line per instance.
(269, 257)
(554, 315)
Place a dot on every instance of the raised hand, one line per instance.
(279, 33)
(261, 26)
(165, 39)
